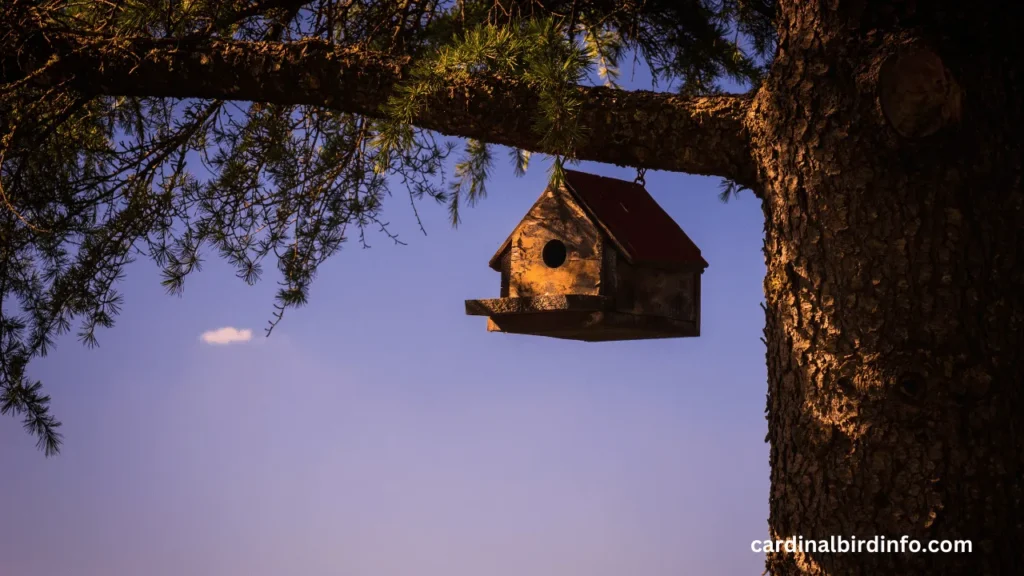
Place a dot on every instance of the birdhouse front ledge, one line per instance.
(573, 317)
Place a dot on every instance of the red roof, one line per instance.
(635, 222)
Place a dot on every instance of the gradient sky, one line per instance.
(382, 432)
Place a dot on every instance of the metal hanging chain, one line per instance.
(640, 176)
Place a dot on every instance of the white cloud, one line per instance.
(226, 335)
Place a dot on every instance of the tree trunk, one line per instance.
(889, 150)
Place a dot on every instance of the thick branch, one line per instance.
(644, 129)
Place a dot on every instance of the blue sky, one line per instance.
(381, 432)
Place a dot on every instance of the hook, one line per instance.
(640, 176)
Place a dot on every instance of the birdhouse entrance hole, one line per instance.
(554, 254)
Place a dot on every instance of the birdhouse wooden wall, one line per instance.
(645, 290)
(556, 249)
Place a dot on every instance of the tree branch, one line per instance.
(661, 131)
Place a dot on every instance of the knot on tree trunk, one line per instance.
(917, 93)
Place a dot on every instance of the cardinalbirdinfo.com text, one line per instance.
(874, 544)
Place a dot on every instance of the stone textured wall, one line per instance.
(556, 216)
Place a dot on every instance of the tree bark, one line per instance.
(889, 147)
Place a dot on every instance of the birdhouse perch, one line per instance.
(596, 260)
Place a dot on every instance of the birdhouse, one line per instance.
(596, 260)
